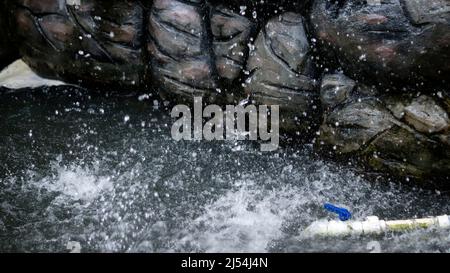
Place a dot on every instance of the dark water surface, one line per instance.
(104, 172)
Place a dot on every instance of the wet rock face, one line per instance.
(282, 72)
(8, 50)
(405, 135)
(335, 89)
(195, 49)
(231, 34)
(395, 42)
(424, 115)
(178, 46)
(262, 11)
(182, 48)
(96, 43)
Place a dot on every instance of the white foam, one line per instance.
(243, 220)
(77, 184)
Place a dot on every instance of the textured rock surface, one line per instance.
(389, 41)
(8, 51)
(335, 89)
(193, 47)
(261, 11)
(178, 46)
(282, 73)
(424, 115)
(406, 135)
(96, 43)
(231, 35)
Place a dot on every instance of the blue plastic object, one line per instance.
(343, 213)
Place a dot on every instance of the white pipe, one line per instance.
(372, 225)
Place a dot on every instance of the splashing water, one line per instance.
(85, 175)
(76, 184)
